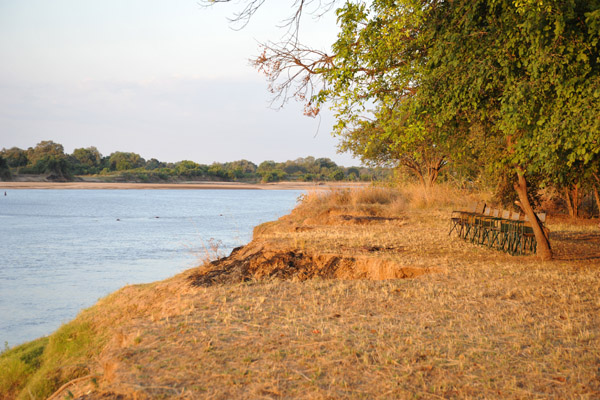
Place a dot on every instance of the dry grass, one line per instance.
(485, 325)
(372, 200)
(441, 196)
(431, 337)
(386, 201)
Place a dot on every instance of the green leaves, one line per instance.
(512, 84)
(541, 97)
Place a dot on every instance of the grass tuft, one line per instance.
(18, 364)
(36, 369)
(370, 201)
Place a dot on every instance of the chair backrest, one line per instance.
(515, 216)
(480, 207)
(495, 213)
(523, 217)
(472, 207)
(505, 214)
(541, 217)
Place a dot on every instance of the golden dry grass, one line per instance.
(483, 325)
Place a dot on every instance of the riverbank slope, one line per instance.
(353, 295)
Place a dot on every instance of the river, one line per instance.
(62, 250)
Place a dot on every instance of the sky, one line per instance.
(166, 79)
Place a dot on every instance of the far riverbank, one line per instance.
(183, 185)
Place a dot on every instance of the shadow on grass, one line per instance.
(576, 246)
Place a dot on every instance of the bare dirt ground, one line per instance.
(315, 308)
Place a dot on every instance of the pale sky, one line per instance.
(165, 79)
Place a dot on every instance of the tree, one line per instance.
(5, 174)
(292, 23)
(353, 173)
(325, 164)
(87, 160)
(266, 166)
(393, 142)
(89, 156)
(273, 176)
(217, 170)
(529, 72)
(57, 168)
(519, 79)
(48, 157)
(122, 161)
(594, 179)
(153, 164)
(270, 171)
(240, 169)
(337, 175)
(189, 169)
(45, 149)
(295, 167)
(376, 61)
(595, 187)
(15, 157)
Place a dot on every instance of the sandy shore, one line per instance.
(184, 185)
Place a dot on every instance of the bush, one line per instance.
(5, 174)
(337, 175)
(273, 176)
(308, 178)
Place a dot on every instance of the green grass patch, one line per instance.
(18, 364)
(37, 369)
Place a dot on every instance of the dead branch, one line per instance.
(291, 23)
(293, 71)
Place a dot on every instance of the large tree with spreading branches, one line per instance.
(517, 80)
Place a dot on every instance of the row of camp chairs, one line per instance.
(500, 229)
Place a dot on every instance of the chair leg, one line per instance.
(452, 228)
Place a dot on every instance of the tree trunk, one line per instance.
(432, 175)
(543, 244)
(575, 197)
(421, 177)
(597, 198)
(433, 170)
(568, 200)
(415, 168)
(426, 172)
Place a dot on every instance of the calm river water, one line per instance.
(62, 250)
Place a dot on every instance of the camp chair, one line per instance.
(488, 224)
(471, 218)
(498, 230)
(479, 223)
(514, 234)
(458, 219)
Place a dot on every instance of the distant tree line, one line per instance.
(49, 159)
